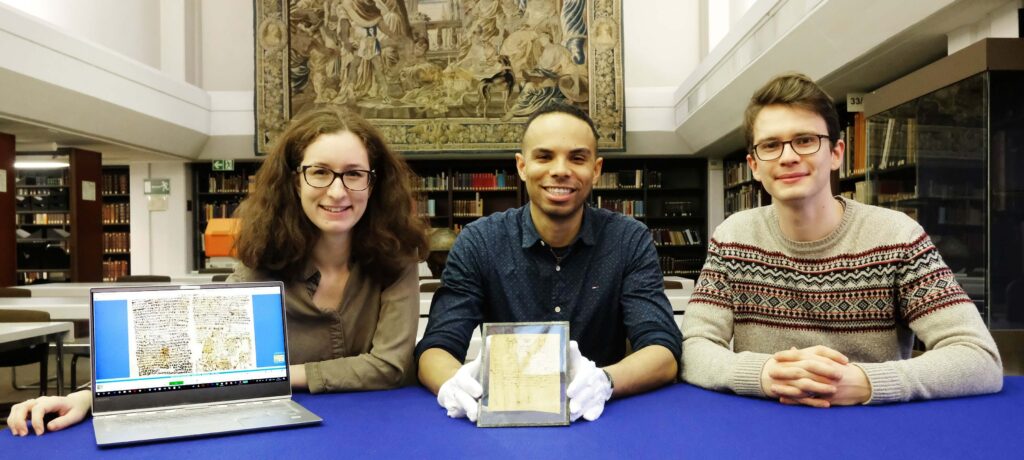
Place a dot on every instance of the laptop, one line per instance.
(179, 361)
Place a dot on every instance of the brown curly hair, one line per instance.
(275, 235)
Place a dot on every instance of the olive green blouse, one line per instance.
(365, 344)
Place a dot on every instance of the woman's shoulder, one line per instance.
(243, 274)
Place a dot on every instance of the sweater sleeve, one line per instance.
(707, 327)
(389, 363)
(961, 357)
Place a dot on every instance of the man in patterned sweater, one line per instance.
(822, 296)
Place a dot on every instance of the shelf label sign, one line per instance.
(854, 102)
(156, 186)
(88, 190)
(223, 165)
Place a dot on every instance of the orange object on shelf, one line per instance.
(220, 237)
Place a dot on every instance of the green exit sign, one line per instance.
(223, 165)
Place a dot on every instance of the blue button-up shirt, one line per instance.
(608, 285)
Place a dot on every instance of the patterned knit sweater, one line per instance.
(863, 290)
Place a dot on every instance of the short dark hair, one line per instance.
(795, 89)
(562, 107)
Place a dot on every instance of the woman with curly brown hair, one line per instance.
(332, 217)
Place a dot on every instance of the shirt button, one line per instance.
(558, 309)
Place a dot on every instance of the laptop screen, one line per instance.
(174, 338)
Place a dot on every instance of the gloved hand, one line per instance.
(461, 393)
(588, 388)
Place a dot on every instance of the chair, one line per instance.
(429, 286)
(673, 284)
(77, 349)
(144, 279)
(220, 278)
(38, 353)
(15, 292)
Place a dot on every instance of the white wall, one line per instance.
(660, 43)
(228, 62)
(161, 241)
(128, 27)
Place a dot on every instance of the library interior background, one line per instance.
(129, 130)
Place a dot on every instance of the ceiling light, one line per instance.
(46, 164)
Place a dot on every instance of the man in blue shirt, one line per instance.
(555, 259)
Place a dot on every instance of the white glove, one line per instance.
(461, 393)
(588, 388)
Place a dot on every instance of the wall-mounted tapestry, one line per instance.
(440, 75)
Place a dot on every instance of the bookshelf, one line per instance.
(943, 145)
(669, 195)
(8, 239)
(116, 223)
(454, 193)
(57, 218)
(741, 190)
(216, 194)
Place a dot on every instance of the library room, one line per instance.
(236, 227)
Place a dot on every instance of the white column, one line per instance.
(1002, 22)
(161, 240)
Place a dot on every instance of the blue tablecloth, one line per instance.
(675, 421)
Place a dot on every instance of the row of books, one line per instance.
(883, 143)
(51, 181)
(500, 180)
(40, 192)
(737, 173)
(116, 242)
(746, 197)
(625, 179)
(230, 183)
(436, 182)
(32, 277)
(116, 213)
(115, 184)
(114, 269)
(426, 207)
(684, 237)
(855, 137)
(633, 208)
(468, 208)
(674, 266)
(219, 209)
(45, 218)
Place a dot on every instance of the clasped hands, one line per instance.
(588, 389)
(816, 376)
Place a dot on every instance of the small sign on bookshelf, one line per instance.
(854, 102)
(223, 165)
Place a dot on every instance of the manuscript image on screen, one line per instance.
(198, 333)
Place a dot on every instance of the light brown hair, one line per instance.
(794, 89)
(276, 236)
